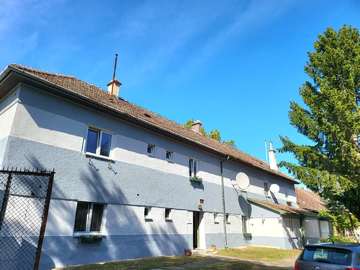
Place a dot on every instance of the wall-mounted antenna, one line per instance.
(114, 73)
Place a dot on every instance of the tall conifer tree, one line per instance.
(330, 119)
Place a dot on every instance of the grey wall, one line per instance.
(49, 132)
(59, 124)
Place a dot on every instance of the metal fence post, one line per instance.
(44, 221)
(5, 200)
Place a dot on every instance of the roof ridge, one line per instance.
(31, 69)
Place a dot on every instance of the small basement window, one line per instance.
(98, 142)
(227, 219)
(147, 214)
(216, 218)
(169, 155)
(151, 149)
(168, 214)
(88, 217)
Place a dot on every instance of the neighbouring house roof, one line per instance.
(309, 200)
(279, 208)
(84, 91)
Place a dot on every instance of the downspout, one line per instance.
(223, 199)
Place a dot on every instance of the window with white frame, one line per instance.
(227, 218)
(216, 218)
(147, 214)
(98, 142)
(168, 214)
(151, 149)
(169, 155)
(193, 167)
(88, 217)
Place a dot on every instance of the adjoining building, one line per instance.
(130, 183)
(314, 227)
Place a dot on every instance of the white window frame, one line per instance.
(148, 216)
(88, 221)
(98, 146)
(217, 218)
(170, 217)
(192, 172)
(227, 218)
(171, 159)
(153, 149)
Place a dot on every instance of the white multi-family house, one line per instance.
(137, 183)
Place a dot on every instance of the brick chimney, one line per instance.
(196, 126)
(114, 87)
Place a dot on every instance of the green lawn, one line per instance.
(260, 253)
(206, 262)
(148, 263)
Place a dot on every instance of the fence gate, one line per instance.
(24, 204)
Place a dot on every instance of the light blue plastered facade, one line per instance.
(50, 132)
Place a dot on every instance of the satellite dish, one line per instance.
(242, 180)
(274, 188)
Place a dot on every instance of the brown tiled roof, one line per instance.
(280, 208)
(309, 200)
(99, 97)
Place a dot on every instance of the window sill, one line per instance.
(96, 156)
(88, 234)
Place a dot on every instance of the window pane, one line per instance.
(105, 144)
(190, 167)
(167, 213)
(81, 216)
(151, 148)
(327, 255)
(195, 167)
(92, 141)
(169, 155)
(96, 218)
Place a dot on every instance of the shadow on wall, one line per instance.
(245, 206)
(157, 239)
(19, 251)
(72, 120)
(294, 240)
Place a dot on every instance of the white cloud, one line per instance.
(255, 15)
(164, 30)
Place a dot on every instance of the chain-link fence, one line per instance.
(24, 205)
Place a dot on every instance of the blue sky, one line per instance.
(234, 65)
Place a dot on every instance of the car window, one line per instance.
(327, 255)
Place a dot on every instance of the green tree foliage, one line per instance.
(330, 119)
(213, 134)
(341, 219)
